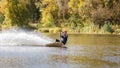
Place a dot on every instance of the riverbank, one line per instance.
(56, 30)
(76, 31)
(84, 33)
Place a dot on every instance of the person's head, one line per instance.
(65, 31)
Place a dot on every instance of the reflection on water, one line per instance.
(84, 51)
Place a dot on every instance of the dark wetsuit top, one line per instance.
(64, 38)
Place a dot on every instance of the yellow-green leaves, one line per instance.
(18, 13)
(47, 19)
(49, 6)
(75, 4)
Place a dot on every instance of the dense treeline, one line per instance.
(98, 16)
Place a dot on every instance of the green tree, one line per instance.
(17, 13)
(48, 10)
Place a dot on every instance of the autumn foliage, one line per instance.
(77, 15)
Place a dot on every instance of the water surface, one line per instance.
(84, 51)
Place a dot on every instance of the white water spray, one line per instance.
(22, 37)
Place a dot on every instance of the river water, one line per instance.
(83, 51)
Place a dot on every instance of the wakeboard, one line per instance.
(56, 44)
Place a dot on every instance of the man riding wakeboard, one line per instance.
(64, 37)
(61, 42)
